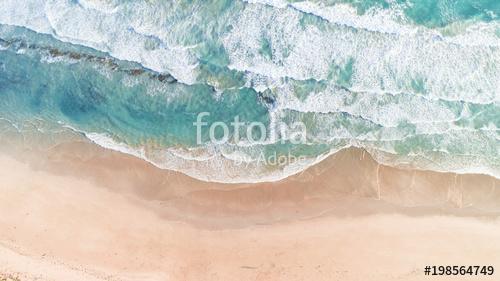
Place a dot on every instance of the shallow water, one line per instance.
(416, 83)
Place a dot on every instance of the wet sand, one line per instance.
(80, 212)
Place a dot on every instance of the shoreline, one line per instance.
(108, 143)
(351, 171)
(81, 211)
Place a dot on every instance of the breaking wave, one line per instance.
(414, 90)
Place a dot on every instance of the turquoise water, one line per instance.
(91, 94)
(431, 13)
(416, 83)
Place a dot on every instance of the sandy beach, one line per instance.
(79, 212)
(253, 140)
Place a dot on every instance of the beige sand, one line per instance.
(79, 212)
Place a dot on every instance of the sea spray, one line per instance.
(416, 92)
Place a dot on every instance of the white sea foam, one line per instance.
(221, 163)
(220, 167)
(393, 21)
(379, 20)
(274, 3)
(106, 6)
(109, 143)
(383, 109)
(440, 163)
(456, 63)
(381, 62)
(148, 34)
(470, 33)
(95, 27)
(209, 163)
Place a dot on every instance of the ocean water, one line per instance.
(414, 82)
